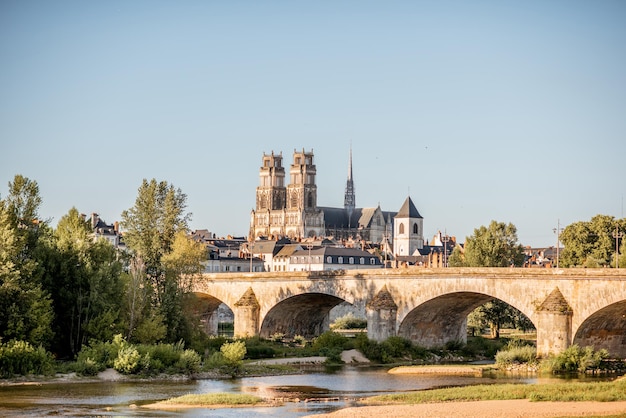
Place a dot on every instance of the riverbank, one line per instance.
(518, 408)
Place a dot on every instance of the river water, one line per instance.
(324, 391)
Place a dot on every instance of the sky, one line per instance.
(513, 111)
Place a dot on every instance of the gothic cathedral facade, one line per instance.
(291, 210)
(287, 211)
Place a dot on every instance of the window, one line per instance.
(362, 260)
(415, 229)
(340, 260)
(351, 260)
(401, 228)
(372, 261)
(329, 260)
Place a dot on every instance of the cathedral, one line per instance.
(291, 211)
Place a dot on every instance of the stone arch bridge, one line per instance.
(427, 306)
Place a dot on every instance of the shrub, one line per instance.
(86, 366)
(516, 355)
(215, 361)
(328, 341)
(575, 359)
(300, 340)
(349, 321)
(127, 360)
(20, 357)
(189, 362)
(485, 347)
(233, 352)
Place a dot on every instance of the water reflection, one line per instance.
(303, 394)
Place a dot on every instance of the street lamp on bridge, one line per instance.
(445, 239)
(617, 234)
(557, 231)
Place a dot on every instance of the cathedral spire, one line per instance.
(349, 201)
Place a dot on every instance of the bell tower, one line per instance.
(408, 229)
(302, 190)
(271, 193)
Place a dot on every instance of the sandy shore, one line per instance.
(522, 408)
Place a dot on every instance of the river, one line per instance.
(310, 393)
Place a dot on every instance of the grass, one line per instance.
(216, 399)
(556, 392)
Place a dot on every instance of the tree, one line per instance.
(456, 258)
(497, 314)
(590, 243)
(152, 232)
(25, 308)
(151, 225)
(493, 246)
(84, 280)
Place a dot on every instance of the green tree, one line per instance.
(151, 227)
(456, 258)
(182, 265)
(493, 246)
(497, 314)
(590, 243)
(84, 280)
(25, 308)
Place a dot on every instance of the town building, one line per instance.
(332, 258)
(102, 230)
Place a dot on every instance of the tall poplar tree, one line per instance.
(150, 229)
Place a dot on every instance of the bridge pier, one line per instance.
(381, 313)
(247, 315)
(554, 325)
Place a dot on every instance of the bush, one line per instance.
(516, 355)
(21, 358)
(127, 360)
(349, 321)
(391, 350)
(328, 341)
(299, 340)
(483, 347)
(234, 353)
(575, 359)
(97, 356)
(189, 362)
(87, 366)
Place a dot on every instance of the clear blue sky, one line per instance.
(512, 111)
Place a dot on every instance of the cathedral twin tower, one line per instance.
(289, 211)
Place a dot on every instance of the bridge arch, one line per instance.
(605, 328)
(305, 314)
(443, 318)
(206, 307)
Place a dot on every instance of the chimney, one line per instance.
(94, 219)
